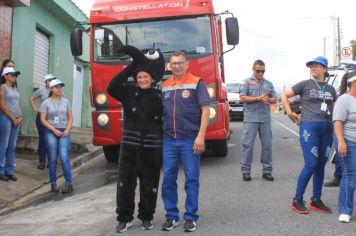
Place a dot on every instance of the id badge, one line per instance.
(323, 106)
(56, 119)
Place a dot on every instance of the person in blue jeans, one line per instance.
(335, 182)
(315, 133)
(41, 94)
(186, 115)
(10, 120)
(344, 118)
(57, 117)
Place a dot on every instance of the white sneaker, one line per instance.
(344, 218)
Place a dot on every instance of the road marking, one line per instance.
(286, 128)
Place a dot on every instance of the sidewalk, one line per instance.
(30, 179)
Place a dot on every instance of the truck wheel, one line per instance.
(111, 153)
(220, 148)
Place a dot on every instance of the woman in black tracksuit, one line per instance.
(140, 153)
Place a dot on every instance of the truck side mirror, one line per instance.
(232, 31)
(76, 45)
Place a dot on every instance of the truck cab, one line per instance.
(191, 26)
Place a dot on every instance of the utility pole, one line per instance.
(338, 42)
(334, 41)
(324, 51)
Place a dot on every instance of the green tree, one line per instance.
(353, 45)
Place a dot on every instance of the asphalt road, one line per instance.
(228, 205)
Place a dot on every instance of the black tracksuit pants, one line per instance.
(144, 163)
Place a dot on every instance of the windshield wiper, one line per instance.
(175, 51)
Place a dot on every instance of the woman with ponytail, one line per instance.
(344, 118)
(315, 132)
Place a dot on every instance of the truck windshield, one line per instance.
(191, 35)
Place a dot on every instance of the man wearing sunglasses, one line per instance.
(257, 94)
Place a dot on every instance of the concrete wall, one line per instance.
(56, 19)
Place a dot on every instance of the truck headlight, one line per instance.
(103, 119)
(212, 113)
(100, 98)
(211, 92)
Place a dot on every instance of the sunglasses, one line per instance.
(12, 74)
(315, 66)
(260, 71)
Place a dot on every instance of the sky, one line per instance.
(284, 34)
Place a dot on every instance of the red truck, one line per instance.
(191, 26)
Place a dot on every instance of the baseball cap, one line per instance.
(10, 70)
(55, 82)
(49, 77)
(318, 60)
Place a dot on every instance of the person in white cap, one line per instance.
(10, 120)
(41, 94)
(344, 118)
(57, 117)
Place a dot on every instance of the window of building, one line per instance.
(41, 58)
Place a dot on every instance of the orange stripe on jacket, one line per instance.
(187, 79)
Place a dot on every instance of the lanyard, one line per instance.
(56, 106)
(322, 89)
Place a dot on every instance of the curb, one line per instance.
(77, 164)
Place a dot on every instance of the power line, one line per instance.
(250, 12)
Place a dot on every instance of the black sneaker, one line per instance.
(299, 207)
(123, 226)
(147, 225)
(68, 188)
(169, 225)
(332, 183)
(4, 178)
(246, 176)
(190, 226)
(318, 205)
(54, 188)
(268, 176)
(41, 166)
(12, 177)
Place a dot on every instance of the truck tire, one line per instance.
(220, 148)
(111, 153)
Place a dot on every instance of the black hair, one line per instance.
(4, 63)
(258, 63)
(343, 85)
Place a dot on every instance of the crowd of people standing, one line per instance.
(53, 121)
(165, 127)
